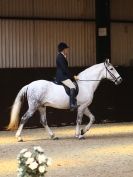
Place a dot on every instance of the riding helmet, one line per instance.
(62, 46)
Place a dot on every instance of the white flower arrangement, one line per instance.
(32, 164)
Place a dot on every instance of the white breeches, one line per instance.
(69, 84)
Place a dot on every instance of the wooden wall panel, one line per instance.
(77, 9)
(33, 43)
(122, 43)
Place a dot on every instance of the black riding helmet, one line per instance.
(62, 46)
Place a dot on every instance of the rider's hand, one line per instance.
(76, 78)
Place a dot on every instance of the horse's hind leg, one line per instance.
(24, 119)
(43, 120)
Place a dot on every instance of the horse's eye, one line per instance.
(111, 69)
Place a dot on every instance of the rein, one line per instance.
(88, 80)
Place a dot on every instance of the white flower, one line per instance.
(49, 162)
(23, 151)
(42, 169)
(20, 169)
(20, 172)
(41, 158)
(33, 165)
(38, 148)
(34, 162)
(29, 161)
(19, 162)
(18, 157)
(27, 154)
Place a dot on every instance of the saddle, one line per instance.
(67, 89)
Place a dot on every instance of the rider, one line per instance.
(62, 73)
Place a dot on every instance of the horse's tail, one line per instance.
(14, 118)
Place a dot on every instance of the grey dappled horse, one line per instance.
(42, 93)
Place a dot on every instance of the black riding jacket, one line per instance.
(62, 71)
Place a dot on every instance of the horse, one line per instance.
(42, 93)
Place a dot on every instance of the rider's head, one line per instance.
(63, 47)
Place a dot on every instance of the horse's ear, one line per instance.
(107, 61)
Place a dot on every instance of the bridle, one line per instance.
(111, 74)
(107, 71)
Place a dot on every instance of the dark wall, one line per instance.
(111, 103)
(102, 10)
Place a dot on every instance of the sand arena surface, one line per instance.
(107, 151)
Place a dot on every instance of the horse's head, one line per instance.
(111, 73)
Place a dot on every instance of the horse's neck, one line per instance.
(92, 76)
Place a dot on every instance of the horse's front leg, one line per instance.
(92, 119)
(79, 121)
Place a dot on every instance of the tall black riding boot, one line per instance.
(73, 101)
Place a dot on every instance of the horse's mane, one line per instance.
(88, 70)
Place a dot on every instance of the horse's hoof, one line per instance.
(81, 137)
(20, 139)
(76, 136)
(54, 137)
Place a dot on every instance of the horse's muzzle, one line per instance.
(118, 81)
